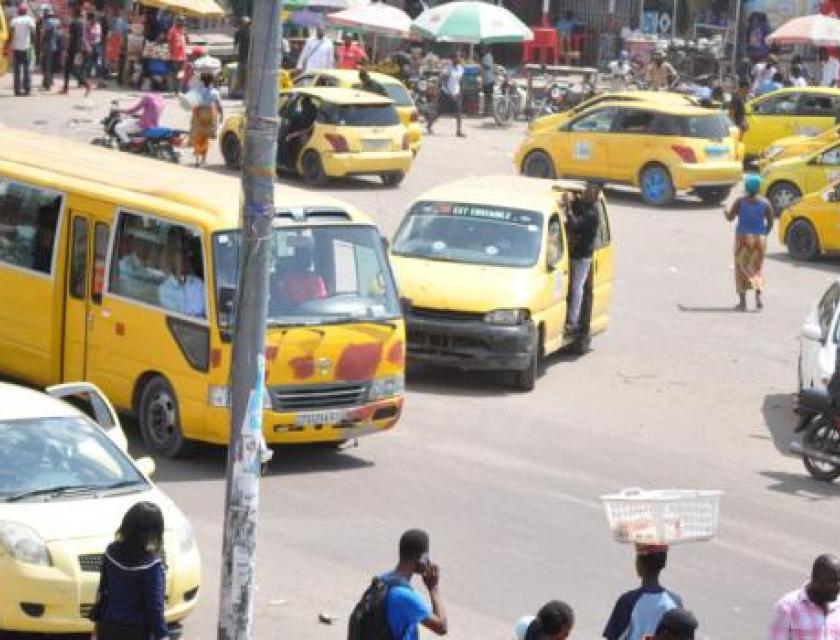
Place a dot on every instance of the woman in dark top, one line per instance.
(130, 601)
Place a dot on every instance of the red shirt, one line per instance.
(300, 287)
(177, 39)
(350, 57)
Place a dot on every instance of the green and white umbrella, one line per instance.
(472, 23)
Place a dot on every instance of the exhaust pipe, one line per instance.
(814, 454)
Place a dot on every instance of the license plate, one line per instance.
(376, 145)
(319, 417)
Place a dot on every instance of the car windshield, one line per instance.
(361, 115)
(319, 275)
(471, 233)
(51, 458)
(714, 126)
(398, 94)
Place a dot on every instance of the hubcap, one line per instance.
(162, 419)
(537, 167)
(783, 198)
(655, 184)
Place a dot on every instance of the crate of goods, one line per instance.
(663, 516)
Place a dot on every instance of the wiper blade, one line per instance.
(122, 484)
(58, 490)
(365, 320)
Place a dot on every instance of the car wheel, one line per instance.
(232, 151)
(782, 195)
(802, 241)
(312, 169)
(393, 178)
(160, 419)
(823, 436)
(713, 195)
(538, 164)
(526, 379)
(656, 185)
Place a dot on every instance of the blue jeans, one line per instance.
(21, 70)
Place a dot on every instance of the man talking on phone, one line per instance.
(406, 609)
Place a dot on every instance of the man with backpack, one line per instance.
(391, 609)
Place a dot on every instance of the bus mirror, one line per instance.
(227, 304)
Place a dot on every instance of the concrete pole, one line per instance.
(247, 375)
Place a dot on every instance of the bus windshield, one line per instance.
(319, 275)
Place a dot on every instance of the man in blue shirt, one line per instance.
(637, 613)
(405, 608)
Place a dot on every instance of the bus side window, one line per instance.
(28, 226)
(78, 258)
(100, 253)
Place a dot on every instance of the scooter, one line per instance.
(508, 101)
(159, 143)
(820, 428)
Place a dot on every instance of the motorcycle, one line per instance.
(508, 100)
(424, 92)
(820, 428)
(159, 143)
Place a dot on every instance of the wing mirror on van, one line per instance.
(405, 305)
(811, 331)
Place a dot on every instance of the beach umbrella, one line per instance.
(374, 17)
(471, 22)
(817, 30)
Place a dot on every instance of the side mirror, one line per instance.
(812, 332)
(146, 466)
(405, 305)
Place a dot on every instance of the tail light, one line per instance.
(406, 145)
(686, 154)
(414, 117)
(339, 143)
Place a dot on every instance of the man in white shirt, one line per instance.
(23, 29)
(318, 53)
(450, 95)
(182, 292)
(829, 68)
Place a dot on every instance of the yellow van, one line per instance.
(125, 275)
(352, 133)
(484, 265)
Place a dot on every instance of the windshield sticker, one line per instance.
(438, 246)
(582, 151)
(488, 213)
(491, 250)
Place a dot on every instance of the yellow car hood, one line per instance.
(462, 287)
(83, 516)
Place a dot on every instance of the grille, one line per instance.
(422, 343)
(91, 562)
(327, 396)
(446, 314)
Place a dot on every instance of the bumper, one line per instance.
(338, 165)
(470, 345)
(707, 174)
(57, 599)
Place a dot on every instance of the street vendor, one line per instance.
(637, 613)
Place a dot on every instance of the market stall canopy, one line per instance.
(817, 30)
(375, 17)
(471, 23)
(295, 5)
(196, 8)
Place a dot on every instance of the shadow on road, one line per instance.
(781, 420)
(801, 485)
(830, 264)
(725, 309)
(634, 199)
(430, 379)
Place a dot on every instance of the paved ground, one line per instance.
(680, 392)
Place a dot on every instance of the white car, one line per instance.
(65, 486)
(819, 340)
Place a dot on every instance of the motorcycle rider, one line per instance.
(150, 108)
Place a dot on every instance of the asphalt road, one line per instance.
(680, 392)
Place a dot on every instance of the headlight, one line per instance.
(508, 317)
(386, 387)
(218, 395)
(23, 543)
(773, 151)
(186, 537)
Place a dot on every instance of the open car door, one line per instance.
(90, 400)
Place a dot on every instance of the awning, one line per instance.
(195, 8)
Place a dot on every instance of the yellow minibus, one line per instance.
(120, 271)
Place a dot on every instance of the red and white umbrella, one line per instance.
(375, 17)
(818, 30)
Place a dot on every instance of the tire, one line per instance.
(821, 432)
(526, 379)
(167, 153)
(160, 420)
(232, 151)
(502, 111)
(393, 178)
(312, 169)
(802, 241)
(656, 185)
(713, 195)
(783, 194)
(538, 164)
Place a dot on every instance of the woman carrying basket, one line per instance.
(206, 114)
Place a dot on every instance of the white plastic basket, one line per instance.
(663, 516)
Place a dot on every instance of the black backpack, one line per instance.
(369, 620)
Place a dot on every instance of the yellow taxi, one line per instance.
(64, 488)
(660, 148)
(800, 111)
(798, 145)
(508, 233)
(332, 133)
(809, 227)
(349, 79)
(785, 181)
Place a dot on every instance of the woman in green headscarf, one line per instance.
(755, 220)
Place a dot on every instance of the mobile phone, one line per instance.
(424, 561)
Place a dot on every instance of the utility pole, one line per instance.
(247, 374)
